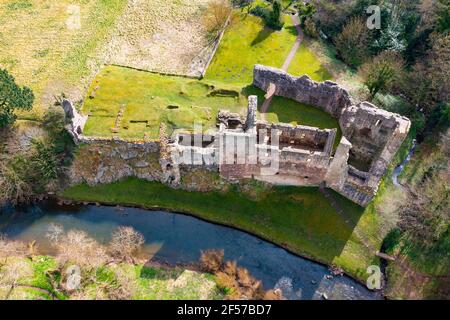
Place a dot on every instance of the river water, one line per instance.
(399, 169)
(177, 238)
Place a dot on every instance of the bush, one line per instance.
(352, 42)
(211, 260)
(381, 72)
(125, 243)
(12, 97)
(14, 187)
(310, 28)
(392, 240)
(77, 247)
(238, 283)
(54, 120)
(272, 18)
(44, 161)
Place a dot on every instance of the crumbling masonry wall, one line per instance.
(328, 96)
(371, 136)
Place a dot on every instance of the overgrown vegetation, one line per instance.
(12, 97)
(421, 243)
(84, 269)
(40, 167)
(405, 68)
(235, 281)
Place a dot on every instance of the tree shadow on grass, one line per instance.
(262, 35)
(292, 30)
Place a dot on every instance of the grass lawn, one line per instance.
(300, 219)
(306, 62)
(149, 99)
(41, 51)
(248, 42)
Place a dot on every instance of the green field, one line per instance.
(306, 62)
(300, 219)
(132, 104)
(248, 42)
(148, 99)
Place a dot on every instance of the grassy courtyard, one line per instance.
(300, 219)
(117, 108)
(132, 104)
(147, 99)
(248, 42)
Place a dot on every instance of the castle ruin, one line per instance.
(304, 156)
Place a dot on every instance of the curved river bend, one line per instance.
(177, 238)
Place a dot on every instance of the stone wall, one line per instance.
(372, 136)
(99, 162)
(304, 155)
(327, 95)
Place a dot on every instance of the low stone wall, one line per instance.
(99, 162)
(327, 95)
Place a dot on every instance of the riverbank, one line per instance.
(177, 240)
(300, 220)
(43, 278)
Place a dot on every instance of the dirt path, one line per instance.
(287, 62)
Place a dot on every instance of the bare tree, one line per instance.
(211, 260)
(12, 273)
(9, 248)
(54, 232)
(77, 247)
(125, 243)
(216, 15)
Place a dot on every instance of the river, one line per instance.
(179, 239)
(399, 169)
